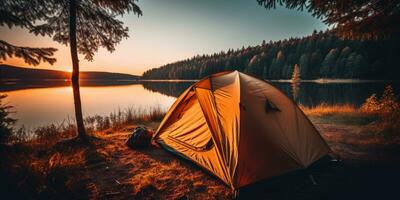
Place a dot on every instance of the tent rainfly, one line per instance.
(241, 129)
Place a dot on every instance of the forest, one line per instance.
(319, 55)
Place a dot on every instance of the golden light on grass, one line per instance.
(325, 109)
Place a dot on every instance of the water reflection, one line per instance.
(172, 89)
(308, 94)
(42, 106)
(44, 102)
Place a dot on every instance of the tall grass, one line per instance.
(380, 115)
(339, 114)
(326, 109)
(114, 121)
(6, 122)
(387, 104)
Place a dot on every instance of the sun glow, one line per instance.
(69, 70)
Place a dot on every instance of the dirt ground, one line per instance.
(108, 169)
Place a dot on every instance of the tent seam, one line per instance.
(219, 127)
(171, 111)
(212, 135)
(239, 130)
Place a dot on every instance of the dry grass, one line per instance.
(118, 120)
(369, 127)
(110, 170)
(339, 114)
(48, 167)
(106, 170)
(325, 109)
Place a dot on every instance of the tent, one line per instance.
(241, 129)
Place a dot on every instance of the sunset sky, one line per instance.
(173, 30)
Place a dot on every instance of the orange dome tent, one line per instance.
(241, 129)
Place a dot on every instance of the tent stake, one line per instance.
(312, 179)
(236, 194)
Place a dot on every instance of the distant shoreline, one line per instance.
(319, 81)
(66, 80)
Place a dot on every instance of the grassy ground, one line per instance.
(108, 169)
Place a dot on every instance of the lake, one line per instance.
(42, 103)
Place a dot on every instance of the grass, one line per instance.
(326, 109)
(118, 120)
(123, 119)
(40, 164)
(108, 169)
(362, 127)
(339, 114)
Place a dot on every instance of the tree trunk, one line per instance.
(75, 71)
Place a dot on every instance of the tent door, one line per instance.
(207, 146)
(191, 129)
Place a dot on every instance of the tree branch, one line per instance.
(32, 56)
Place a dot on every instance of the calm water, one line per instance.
(40, 104)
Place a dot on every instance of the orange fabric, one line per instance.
(226, 90)
(221, 124)
(191, 137)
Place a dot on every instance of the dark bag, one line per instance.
(141, 138)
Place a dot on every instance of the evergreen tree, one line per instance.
(340, 69)
(6, 122)
(84, 25)
(319, 55)
(295, 81)
(296, 74)
(304, 65)
(328, 63)
(352, 19)
(32, 56)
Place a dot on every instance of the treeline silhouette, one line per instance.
(320, 55)
(20, 73)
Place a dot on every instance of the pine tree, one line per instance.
(304, 66)
(295, 81)
(84, 25)
(32, 56)
(6, 122)
(296, 74)
(330, 57)
(328, 63)
(352, 19)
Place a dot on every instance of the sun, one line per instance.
(69, 70)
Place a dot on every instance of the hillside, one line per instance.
(13, 72)
(320, 55)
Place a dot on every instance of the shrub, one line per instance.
(115, 121)
(387, 104)
(371, 104)
(388, 108)
(6, 122)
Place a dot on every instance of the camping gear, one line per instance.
(241, 129)
(140, 138)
